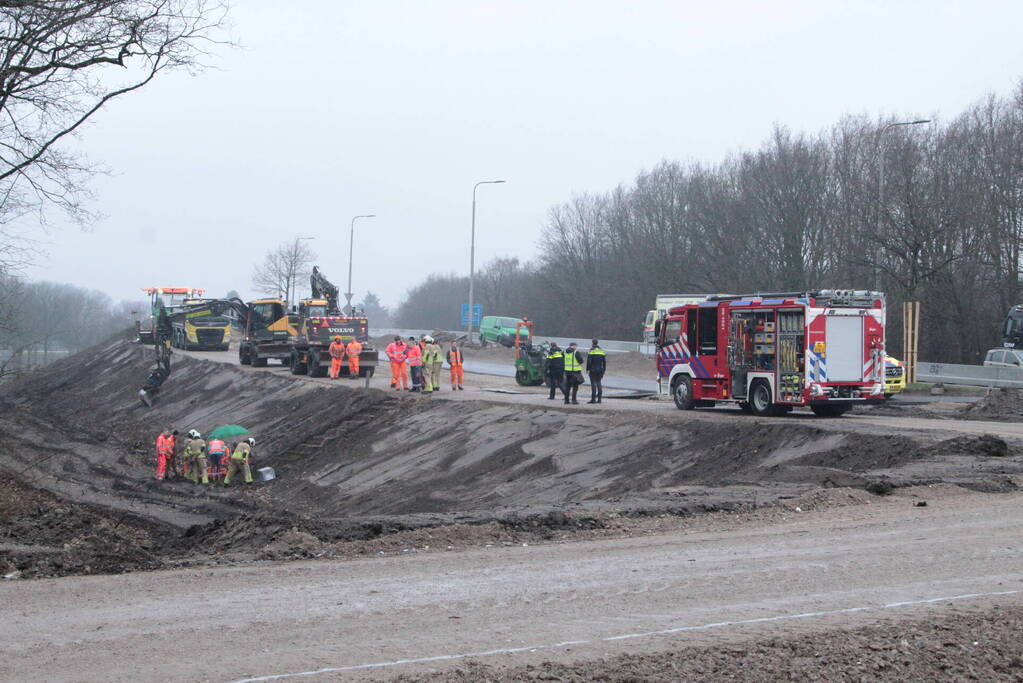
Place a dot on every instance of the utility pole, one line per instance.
(880, 184)
(351, 247)
(472, 254)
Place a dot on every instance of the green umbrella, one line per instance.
(227, 431)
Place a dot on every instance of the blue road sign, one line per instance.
(477, 314)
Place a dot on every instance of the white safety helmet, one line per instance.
(252, 442)
(194, 434)
(428, 339)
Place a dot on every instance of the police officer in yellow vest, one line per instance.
(596, 365)
(573, 373)
(555, 369)
(240, 461)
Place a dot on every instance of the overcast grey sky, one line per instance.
(336, 108)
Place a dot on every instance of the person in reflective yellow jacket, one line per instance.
(555, 369)
(573, 372)
(596, 365)
(240, 461)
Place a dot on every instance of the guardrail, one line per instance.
(970, 375)
(584, 342)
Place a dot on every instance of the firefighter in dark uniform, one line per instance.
(596, 364)
(555, 369)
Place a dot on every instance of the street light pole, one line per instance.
(472, 254)
(880, 182)
(351, 247)
(293, 275)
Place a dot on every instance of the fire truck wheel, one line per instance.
(761, 401)
(682, 392)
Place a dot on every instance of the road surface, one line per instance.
(563, 601)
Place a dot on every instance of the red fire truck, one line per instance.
(772, 352)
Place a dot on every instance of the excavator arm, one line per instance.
(322, 288)
(162, 331)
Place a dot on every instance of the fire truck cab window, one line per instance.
(672, 331)
(709, 330)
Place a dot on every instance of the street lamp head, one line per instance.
(920, 121)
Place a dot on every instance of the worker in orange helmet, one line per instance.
(396, 352)
(353, 350)
(455, 361)
(337, 354)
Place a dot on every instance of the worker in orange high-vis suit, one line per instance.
(353, 350)
(455, 361)
(414, 359)
(396, 352)
(337, 354)
(164, 451)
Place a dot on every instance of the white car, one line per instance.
(1005, 358)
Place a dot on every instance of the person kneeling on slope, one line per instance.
(240, 460)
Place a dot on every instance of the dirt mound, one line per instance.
(985, 445)
(999, 404)
(43, 535)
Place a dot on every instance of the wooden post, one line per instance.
(910, 337)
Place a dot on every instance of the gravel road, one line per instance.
(777, 575)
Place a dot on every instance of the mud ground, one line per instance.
(946, 647)
(357, 465)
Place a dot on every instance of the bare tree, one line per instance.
(62, 61)
(283, 268)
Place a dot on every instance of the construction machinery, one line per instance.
(171, 308)
(268, 332)
(197, 327)
(301, 339)
(164, 303)
(530, 359)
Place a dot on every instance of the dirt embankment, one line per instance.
(354, 465)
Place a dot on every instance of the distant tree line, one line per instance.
(45, 321)
(804, 211)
